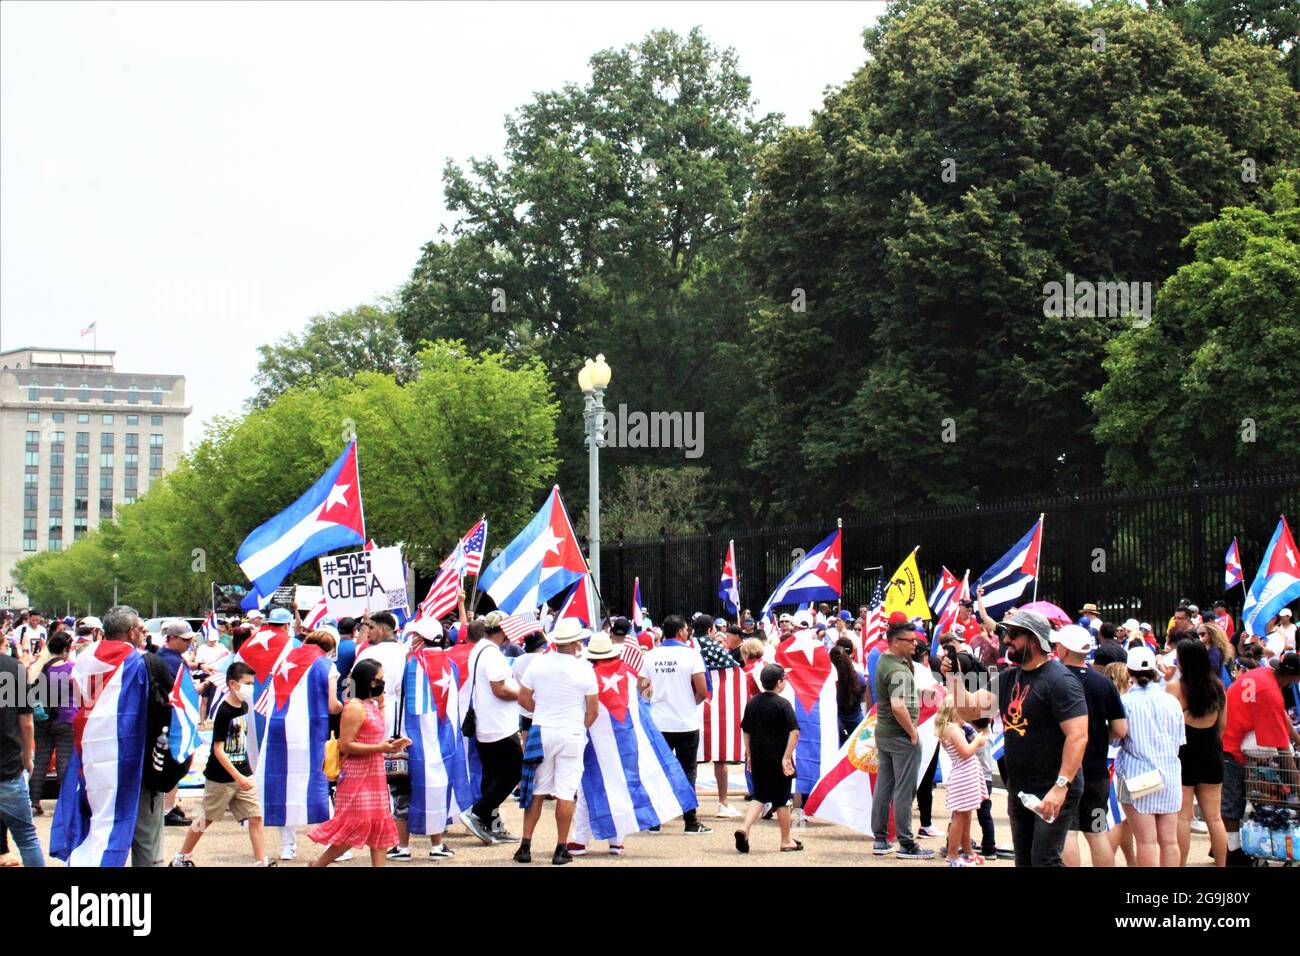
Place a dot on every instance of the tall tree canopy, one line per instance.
(611, 225)
(984, 150)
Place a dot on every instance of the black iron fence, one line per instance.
(1133, 553)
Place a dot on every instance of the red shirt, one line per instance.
(1226, 624)
(1261, 710)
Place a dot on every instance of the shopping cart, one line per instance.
(1271, 831)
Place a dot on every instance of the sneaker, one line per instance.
(727, 812)
(654, 830)
(561, 857)
(882, 848)
(441, 853)
(1004, 854)
(265, 863)
(615, 849)
(989, 852)
(927, 832)
(1199, 826)
(503, 836)
(577, 849)
(475, 826)
(38, 811)
(523, 854)
(179, 860)
(914, 852)
(289, 852)
(344, 858)
(973, 859)
(698, 830)
(955, 861)
(175, 817)
(401, 854)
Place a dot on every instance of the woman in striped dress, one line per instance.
(1155, 732)
(965, 786)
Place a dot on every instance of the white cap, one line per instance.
(1131, 625)
(1285, 612)
(427, 627)
(1144, 626)
(785, 617)
(94, 622)
(1074, 638)
(803, 619)
(255, 615)
(1141, 659)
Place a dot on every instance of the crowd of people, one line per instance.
(1071, 717)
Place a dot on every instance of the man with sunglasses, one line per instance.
(1045, 720)
(898, 744)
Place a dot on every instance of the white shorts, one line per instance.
(560, 773)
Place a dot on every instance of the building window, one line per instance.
(56, 459)
(132, 440)
(33, 438)
(56, 544)
(79, 504)
(83, 419)
(155, 441)
(29, 544)
(132, 460)
(29, 524)
(83, 393)
(78, 528)
(33, 458)
(106, 441)
(30, 479)
(58, 418)
(108, 419)
(58, 391)
(56, 507)
(155, 466)
(106, 460)
(155, 421)
(108, 394)
(157, 394)
(133, 419)
(58, 438)
(33, 416)
(33, 392)
(132, 395)
(29, 501)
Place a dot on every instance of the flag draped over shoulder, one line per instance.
(439, 781)
(183, 735)
(720, 736)
(631, 780)
(94, 822)
(290, 771)
(810, 681)
(263, 652)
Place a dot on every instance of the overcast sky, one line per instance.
(200, 179)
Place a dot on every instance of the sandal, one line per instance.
(742, 841)
(792, 849)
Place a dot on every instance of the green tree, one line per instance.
(339, 344)
(651, 502)
(1274, 23)
(1209, 378)
(982, 151)
(610, 225)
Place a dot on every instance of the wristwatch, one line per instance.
(1062, 782)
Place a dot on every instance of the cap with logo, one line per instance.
(1074, 638)
(1141, 659)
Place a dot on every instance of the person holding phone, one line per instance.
(362, 814)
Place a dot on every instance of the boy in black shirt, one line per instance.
(229, 778)
(771, 734)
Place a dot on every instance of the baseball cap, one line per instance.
(719, 622)
(845, 616)
(255, 615)
(1144, 626)
(1289, 664)
(1285, 612)
(1074, 638)
(94, 622)
(620, 625)
(279, 616)
(427, 627)
(1035, 624)
(803, 619)
(1141, 659)
(785, 618)
(1131, 625)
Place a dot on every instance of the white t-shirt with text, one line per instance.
(670, 668)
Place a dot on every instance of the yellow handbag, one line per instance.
(332, 765)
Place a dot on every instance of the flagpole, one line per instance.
(1038, 565)
(839, 526)
(365, 538)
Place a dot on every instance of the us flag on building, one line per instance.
(465, 559)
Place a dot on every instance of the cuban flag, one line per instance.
(327, 517)
(209, 627)
(579, 605)
(458, 654)
(948, 616)
(638, 620)
(94, 822)
(317, 615)
(729, 586)
(290, 774)
(631, 780)
(183, 736)
(1232, 575)
(542, 561)
(1276, 585)
(844, 793)
(810, 687)
(720, 736)
(816, 578)
(1007, 579)
(943, 592)
(439, 781)
(1114, 809)
(264, 652)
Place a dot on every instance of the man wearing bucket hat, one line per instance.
(560, 689)
(1045, 719)
(1106, 721)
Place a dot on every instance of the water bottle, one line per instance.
(1032, 804)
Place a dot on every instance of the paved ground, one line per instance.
(824, 844)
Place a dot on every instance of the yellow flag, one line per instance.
(903, 591)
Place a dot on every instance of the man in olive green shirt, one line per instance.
(898, 747)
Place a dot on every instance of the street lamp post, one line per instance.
(114, 579)
(593, 378)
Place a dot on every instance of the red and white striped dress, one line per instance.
(966, 788)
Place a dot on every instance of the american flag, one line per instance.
(873, 626)
(721, 737)
(466, 558)
(518, 626)
(632, 657)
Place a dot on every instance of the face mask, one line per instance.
(377, 688)
(246, 693)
